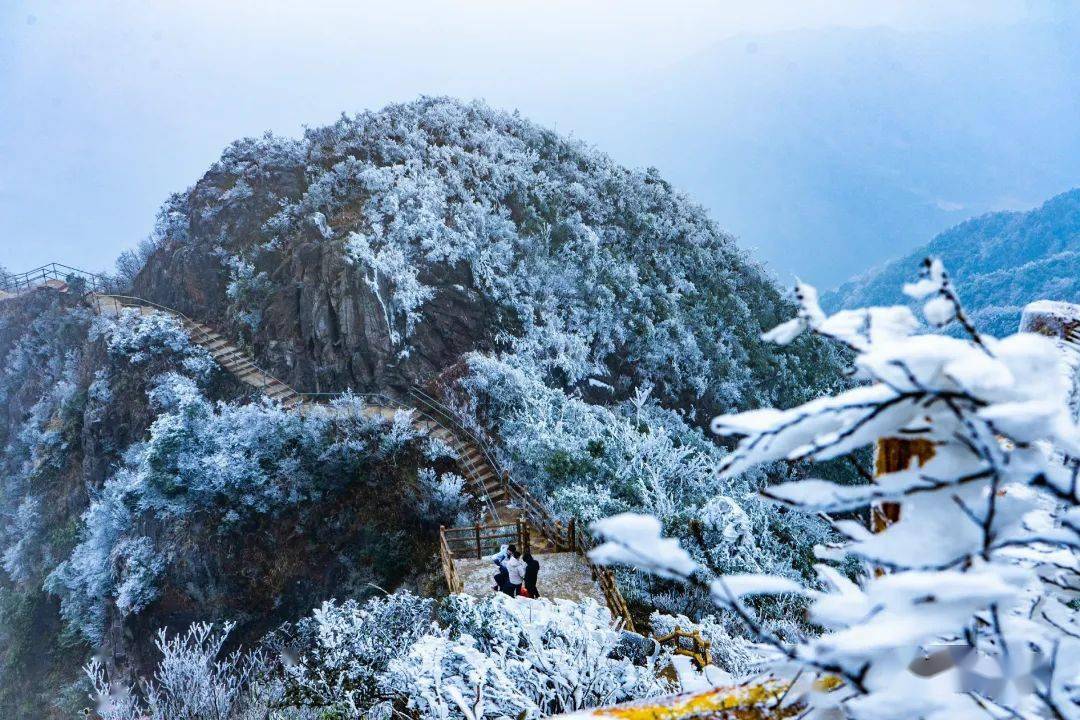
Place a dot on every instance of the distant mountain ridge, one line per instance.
(1000, 262)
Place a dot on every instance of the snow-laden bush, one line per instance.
(973, 610)
(730, 649)
(194, 680)
(500, 657)
(39, 392)
(224, 462)
(247, 290)
(491, 658)
(337, 658)
(593, 461)
(152, 340)
(443, 497)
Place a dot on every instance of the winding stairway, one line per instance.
(511, 513)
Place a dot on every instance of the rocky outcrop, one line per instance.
(320, 326)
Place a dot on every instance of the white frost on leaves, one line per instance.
(984, 557)
(731, 587)
(633, 539)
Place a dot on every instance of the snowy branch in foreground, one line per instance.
(977, 615)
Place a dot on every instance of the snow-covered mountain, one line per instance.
(585, 317)
(1001, 262)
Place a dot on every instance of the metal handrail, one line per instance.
(36, 278)
(203, 330)
(418, 394)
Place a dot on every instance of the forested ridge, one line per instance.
(1002, 260)
(588, 319)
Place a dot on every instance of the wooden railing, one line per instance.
(582, 543)
(478, 541)
(690, 644)
(569, 537)
(453, 581)
(559, 535)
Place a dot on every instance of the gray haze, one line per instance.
(828, 135)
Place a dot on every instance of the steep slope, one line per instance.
(586, 317)
(374, 252)
(1001, 262)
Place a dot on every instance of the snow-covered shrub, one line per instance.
(228, 462)
(497, 657)
(97, 567)
(247, 289)
(975, 614)
(39, 393)
(593, 461)
(490, 658)
(338, 657)
(193, 679)
(443, 497)
(730, 649)
(152, 340)
(131, 262)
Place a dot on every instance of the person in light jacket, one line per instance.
(502, 577)
(515, 568)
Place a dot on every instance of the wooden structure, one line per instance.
(690, 644)
(478, 541)
(894, 455)
(54, 275)
(768, 699)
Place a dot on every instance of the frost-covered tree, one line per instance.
(194, 680)
(237, 464)
(490, 658)
(154, 341)
(337, 659)
(592, 461)
(980, 573)
(498, 657)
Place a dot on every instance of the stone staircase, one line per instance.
(506, 504)
(227, 355)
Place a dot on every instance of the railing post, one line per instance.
(895, 455)
(479, 554)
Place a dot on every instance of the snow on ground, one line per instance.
(562, 575)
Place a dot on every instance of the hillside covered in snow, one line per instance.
(1001, 260)
(587, 319)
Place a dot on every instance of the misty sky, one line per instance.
(106, 107)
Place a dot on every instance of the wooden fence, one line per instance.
(478, 541)
(568, 537)
(453, 581)
(690, 644)
(482, 540)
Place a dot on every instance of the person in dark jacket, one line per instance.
(532, 570)
(502, 580)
